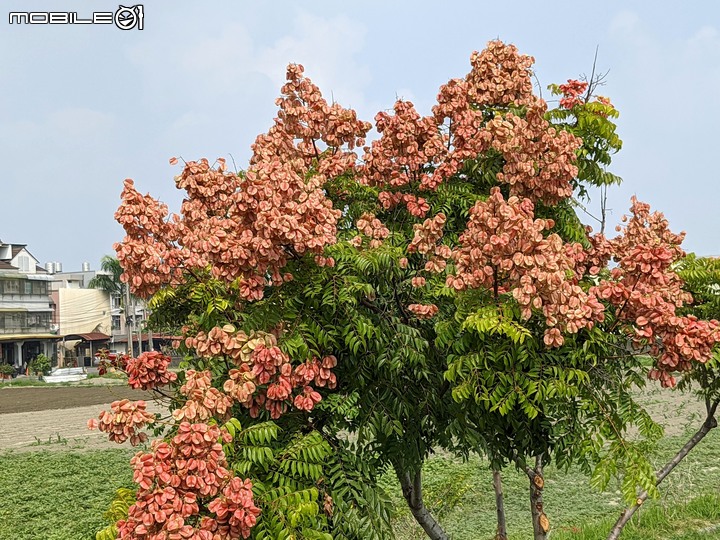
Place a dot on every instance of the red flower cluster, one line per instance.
(123, 421)
(149, 370)
(572, 92)
(181, 480)
(647, 293)
(503, 250)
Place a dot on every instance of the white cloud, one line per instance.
(326, 48)
(219, 63)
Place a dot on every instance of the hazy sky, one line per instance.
(83, 107)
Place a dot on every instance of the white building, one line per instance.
(83, 316)
(26, 327)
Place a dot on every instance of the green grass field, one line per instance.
(58, 495)
(56, 491)
(461, 495)
(62, 494)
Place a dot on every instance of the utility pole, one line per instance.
(151, 345)
(128, 328)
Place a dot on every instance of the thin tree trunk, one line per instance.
(412, 491)
(500, 506)
(541, 524)
(709, 424)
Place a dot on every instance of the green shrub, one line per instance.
(40, 365)
(6, 369)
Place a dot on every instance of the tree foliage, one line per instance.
(342, 314)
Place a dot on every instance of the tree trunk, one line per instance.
(500, 506)
(541, 524)
(709, 423)
(412, 491)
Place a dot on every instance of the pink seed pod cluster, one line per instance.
(123, 421)
(539, 159)
(407, 145)
(246, 227)
(423, 311)
(149, 370)
(647, 293)
(185, 490)
(204, 401)
(265, 377)
(503, 250)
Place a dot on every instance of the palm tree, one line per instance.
(109, 280)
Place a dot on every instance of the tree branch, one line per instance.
(709, 424)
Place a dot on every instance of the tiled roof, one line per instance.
(4, 265)
(17, 248)
(89, 336)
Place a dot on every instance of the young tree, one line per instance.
(440, 291)
(701, 278)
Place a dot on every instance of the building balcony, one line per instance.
(23, 330)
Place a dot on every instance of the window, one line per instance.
(38, 320)
(11, 286)
(24, 263)
(39, 287)
(27, 287)
(14, 320)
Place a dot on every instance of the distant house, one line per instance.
(26, 327)
(83, 317)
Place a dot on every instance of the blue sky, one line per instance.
(84, 107)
